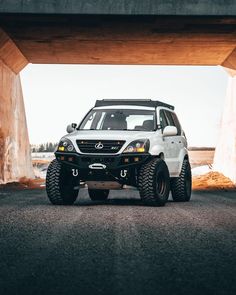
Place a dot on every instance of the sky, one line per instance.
(57, 95)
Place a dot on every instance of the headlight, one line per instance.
(65, 145)
(138, 146)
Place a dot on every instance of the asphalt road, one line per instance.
(117, 247)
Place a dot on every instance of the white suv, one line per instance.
(121, 144)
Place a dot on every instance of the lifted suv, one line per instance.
(121, 144)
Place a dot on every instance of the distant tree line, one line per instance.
(44, 147)
(201, 148)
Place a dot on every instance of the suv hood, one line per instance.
(108, 135)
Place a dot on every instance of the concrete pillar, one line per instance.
(225, 154)
(15, 157)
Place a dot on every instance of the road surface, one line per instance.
(117, 247)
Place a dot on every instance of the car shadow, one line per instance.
(115, 202)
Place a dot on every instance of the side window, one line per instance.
(177, 124)
(163, 121)
(173, 121)
(169, 118)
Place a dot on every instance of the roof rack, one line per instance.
(136, 102)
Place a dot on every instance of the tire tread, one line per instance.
(178, 184)
(146, 182)
(53, 184)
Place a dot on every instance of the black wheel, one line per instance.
(181, 187)
(98, 195)
(62, 188)
(154, 182)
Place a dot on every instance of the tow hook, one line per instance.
(123, 173)
(75, 172)
(98, 166)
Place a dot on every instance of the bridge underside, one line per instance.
(123, 39)
(91, 39)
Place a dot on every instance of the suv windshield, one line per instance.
(118, 119)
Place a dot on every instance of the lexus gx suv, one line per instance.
(122, 144)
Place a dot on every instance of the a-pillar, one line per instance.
(15, 157)
(225, 154)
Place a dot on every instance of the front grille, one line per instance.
(103, 146)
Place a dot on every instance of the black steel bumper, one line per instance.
(122, 168)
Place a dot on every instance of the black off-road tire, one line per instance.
(98, 195)
(181, 187)
(154, 182)
(62, 188)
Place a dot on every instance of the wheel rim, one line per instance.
(161, 184)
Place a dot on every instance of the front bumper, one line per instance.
(122, 168)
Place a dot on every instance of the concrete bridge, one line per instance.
(174, 32)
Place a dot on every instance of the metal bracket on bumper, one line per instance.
(97, 166)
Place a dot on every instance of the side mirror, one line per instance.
(71, 128)
(170, 131)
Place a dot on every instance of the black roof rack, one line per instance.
(136, 102)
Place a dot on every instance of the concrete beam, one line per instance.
(123, 52)
(121, 7)
(225, 154)
(10, 54)
(230, 61)
(122, 40)
(15, 157)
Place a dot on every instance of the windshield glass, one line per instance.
(115, 119)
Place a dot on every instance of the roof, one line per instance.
(135, 102)
(125, 107)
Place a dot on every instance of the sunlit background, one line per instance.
(57, 95)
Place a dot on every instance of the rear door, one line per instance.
(171, 143)
(168, 143)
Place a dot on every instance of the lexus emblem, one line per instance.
(98, 146)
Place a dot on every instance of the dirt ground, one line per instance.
(212, 181)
